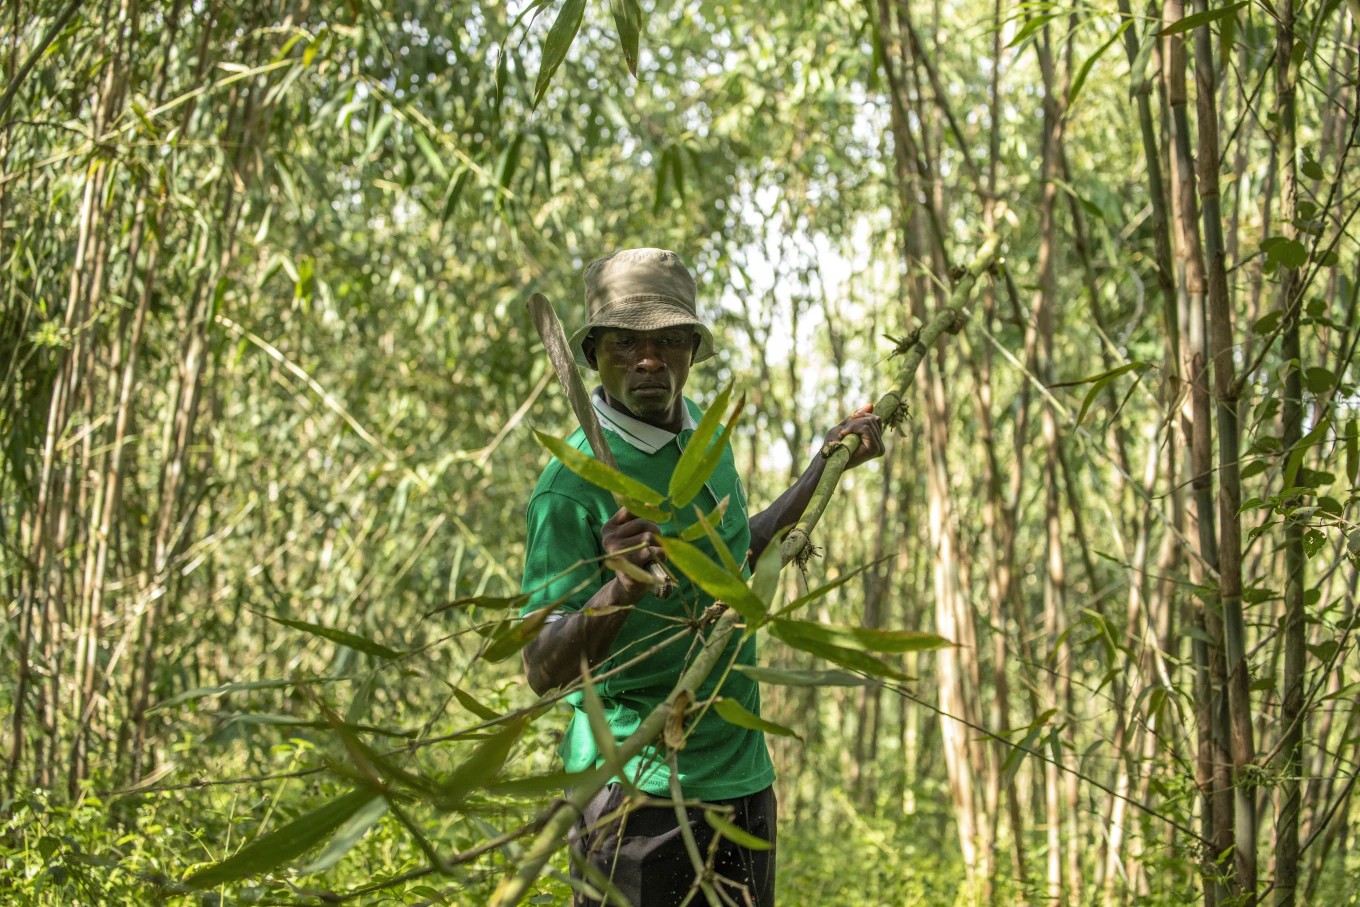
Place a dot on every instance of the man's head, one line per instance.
(641, 332)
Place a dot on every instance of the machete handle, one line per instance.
(662, 587)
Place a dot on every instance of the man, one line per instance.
(642, 335)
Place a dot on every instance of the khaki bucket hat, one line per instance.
(641, 290)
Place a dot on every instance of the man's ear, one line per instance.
(694, 350)
(588, 348)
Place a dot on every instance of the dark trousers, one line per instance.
(643, 854)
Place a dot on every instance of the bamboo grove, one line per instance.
(268, 398)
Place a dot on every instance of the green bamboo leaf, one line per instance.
(1353, 451)
(555, 48)
(343, 637)
(738, 836)
(1017, 754)
(1098, 383)
(284, 844)
(734, 713)
(765, 578)
(473, 706)
(822, 591)
(478, 770)
(1080, 79)
(708, 527)
(715, 580)
(535, 786)
(1204, 18)
(702, 453)
(628, 20)
(225, 688)
(861, 639)
(597, 473)
(516, 634)
(712, 518)
(349, 835)
(1291, 469)
(489, 602)
(806, 678)
(646, 511)
(847, 658)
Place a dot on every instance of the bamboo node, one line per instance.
(674, 734)
(903, 346)
(806, 554)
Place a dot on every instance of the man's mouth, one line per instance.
(650, 388)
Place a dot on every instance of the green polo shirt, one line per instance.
(565, 516)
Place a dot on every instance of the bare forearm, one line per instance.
(553, 658)
(786, 509)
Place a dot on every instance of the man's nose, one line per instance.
(649, 356)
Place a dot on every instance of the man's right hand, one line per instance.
(634, 540)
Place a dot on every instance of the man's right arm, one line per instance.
(554, 657)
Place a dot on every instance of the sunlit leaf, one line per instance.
(704, 450)
(706, 522)
(715, 580)
(597, 473)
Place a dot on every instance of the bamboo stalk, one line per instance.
(1287, 850)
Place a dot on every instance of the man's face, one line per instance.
(644, 372)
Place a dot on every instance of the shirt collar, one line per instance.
(646, 438)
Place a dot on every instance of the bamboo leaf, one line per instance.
(349, 835)
(805, 678)
(715, 580)
(343, 637)
(477, 771)
(597, 473)
(555, 48)
(245, 686)
(516, 635)
(847, 658)
(535, 786)
(284, 844)
(702, 453)
(739, 836)
(1080, 79)
(765, 579)
(628, 20)
(734, 713)
(1352, 451)
(472, 705)
(861, 639)
(714, 517)
(708, 529)
(1197, 19)
(822, 591)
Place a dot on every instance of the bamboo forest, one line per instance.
(273, 406)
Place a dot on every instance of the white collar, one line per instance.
(646, 438)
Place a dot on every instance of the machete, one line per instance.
(555, 340)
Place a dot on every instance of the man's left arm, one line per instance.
(788, 508)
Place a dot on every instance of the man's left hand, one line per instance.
(869, 427)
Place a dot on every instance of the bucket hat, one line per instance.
(640, 290)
